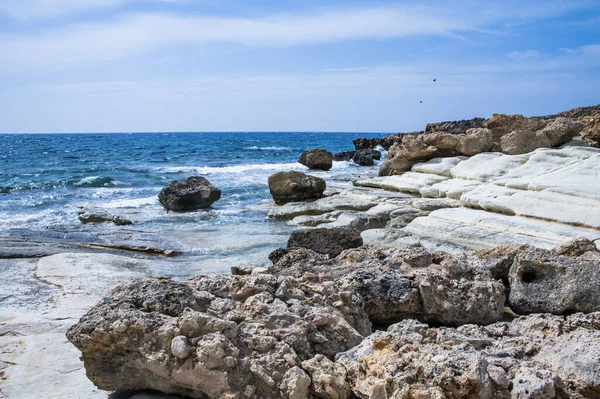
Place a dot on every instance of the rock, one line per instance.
(316, 159)
(363, 158)
(343, 156)
(180, 347)
(87, 217)
(541, 281)
(536, 356)
(401, 283)
(247, 334)
(329, 378)
(295, 186)
(371, 143)
(576, 247)
(523, 141)
(474, 141)
(456, 126)
(189, 194)
(326, 241)
(296, 384)
(344, 201)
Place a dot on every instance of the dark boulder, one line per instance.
(343, 156)
(317, 159)
(295, 186)
(326, 241)
(366, 157)
(189, 194)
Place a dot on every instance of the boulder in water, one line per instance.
(317, 159)
(189, 194)
(295, 186)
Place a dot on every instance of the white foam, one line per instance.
(208, 170)
(131, 203)
(269, 148)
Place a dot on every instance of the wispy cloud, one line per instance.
(134, 34)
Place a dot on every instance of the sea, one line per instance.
(45, 179)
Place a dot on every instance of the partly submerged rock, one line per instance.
(295, 186)
(189, 194)
(316, 159)
(96, 217)
(330, 241)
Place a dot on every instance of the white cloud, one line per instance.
(44, 9)
(133, 34)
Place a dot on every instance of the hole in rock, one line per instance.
(528, 277)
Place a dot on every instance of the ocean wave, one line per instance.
(211, 170)
(269, 148)
(97, 181)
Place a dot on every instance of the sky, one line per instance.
(295, 65)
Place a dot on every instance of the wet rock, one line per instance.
(316, 159)
(534, 356)
(295, 186)
(370, 143)
(246, 334)
(326, 241)
(95, 217)
(542, 281)
(343, 156)
(189, 194)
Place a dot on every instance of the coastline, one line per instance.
(452, 204)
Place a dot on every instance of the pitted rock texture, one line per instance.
(189, 194)
(546, 282)
(401, 283)
(537, 356)
(216, 335)
(295, 186)
(316, 158)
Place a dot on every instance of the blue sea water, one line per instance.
(46, 178)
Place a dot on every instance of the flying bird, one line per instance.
(420, 102)
(434, 80)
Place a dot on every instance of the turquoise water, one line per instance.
(45, 178)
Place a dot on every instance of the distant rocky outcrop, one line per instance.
(385, 142)
(305, 327)
(510, 134)
(316, 159)
(189, 194)
(295, 186)
(361, 157)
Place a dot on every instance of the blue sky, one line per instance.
(220, 65)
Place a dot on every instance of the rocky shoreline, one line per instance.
(468, 269)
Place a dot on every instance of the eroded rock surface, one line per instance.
(538, 356)
(326, 241)
(216, 335)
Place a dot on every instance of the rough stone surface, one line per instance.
(326, 241)
(295, 186)
(542, 281)
(247, 333)
(189, 194)
(316, 159)
(538, 356)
